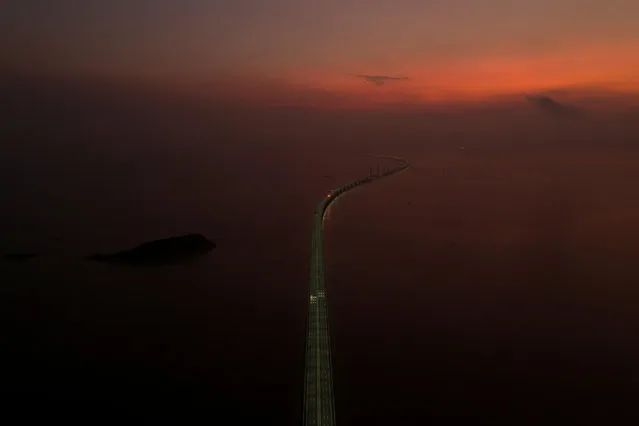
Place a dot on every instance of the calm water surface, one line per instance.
(490, 280)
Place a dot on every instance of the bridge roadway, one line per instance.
(319, 404)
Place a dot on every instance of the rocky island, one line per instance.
(160, 252)
(19, 257)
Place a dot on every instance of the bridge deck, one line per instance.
(319, 404)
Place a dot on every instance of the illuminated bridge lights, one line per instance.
(319, 408)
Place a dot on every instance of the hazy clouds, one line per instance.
(379, 80)
(551, 107)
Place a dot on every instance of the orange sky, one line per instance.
(611, 68)
(305, 52)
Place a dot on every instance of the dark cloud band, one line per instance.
(378, 80)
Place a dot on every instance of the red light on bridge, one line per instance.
(328, 196)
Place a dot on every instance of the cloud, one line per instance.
(378, 80)
(550, 106)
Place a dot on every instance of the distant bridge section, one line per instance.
(319, 404)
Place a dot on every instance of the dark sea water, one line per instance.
(492, 286)
(495, 281)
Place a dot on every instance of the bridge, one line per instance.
(319, 404)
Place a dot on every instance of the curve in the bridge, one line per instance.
(319, 404)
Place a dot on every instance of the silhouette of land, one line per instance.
(19, 257)
(159, 252)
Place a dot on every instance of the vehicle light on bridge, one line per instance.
(328, 196)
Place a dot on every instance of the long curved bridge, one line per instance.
(319, 404)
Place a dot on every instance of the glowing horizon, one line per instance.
(303, 53)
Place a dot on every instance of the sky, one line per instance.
(309, 51)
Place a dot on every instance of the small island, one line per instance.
(19, 257)
(160, 252)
